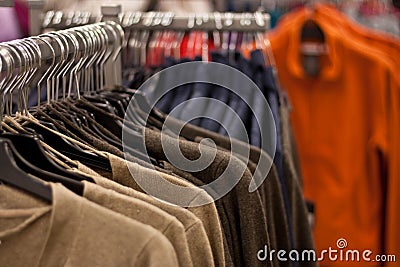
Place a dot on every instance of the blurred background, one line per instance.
(378, 14)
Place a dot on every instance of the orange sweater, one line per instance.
(341, 124)
(390, 46)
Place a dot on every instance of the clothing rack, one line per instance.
(30, 53)
(242, 22)
(59, 20)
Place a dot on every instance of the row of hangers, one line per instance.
(152, 36)
(71, 57)
(44, 141)
(162, 20)
(204, 33)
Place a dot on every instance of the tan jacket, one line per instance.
(194, 229)
(207, 214)
(145, 213)
(74, 232)
(221, 211)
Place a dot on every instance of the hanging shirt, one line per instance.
(239, 202)
(73, 231)
(145, 213)
(217, 112)
(303, 239)
(194, 229)
(390, 46)
(340, 125)
(212, 245)
(234, 114)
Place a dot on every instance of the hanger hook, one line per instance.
(28, 69)
(37, 63)
(54, 67)
(19, 72)
(9, 67)
(52, 56)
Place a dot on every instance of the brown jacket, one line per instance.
(272, 200)
(247, 218)
(74, 232)
(302, 230)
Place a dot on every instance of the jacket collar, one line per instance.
(332, 61)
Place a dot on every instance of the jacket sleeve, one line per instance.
(157, 252)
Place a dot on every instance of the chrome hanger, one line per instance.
(37, 60)
(65, 70)
(145, 38)
(21, 57)
(51, 71)
(63, 61)
(75, 74)
(8, 63)
(118, 43)
(84, 70)
(218, 27)
(103, 44)
(12, 55)
(93, 35)
(108, 31)
(30, 67)
(99, 61)
(20, 73)
(192, 35)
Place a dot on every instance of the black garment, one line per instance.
(92, 140)
(242, 88)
